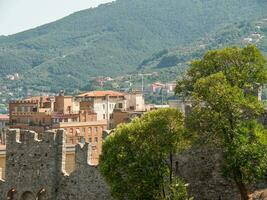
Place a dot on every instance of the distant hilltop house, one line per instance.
(13, 77)
(158, 87)
(100, 81)
(35, 169)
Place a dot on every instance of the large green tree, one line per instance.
(137, 159)
(242, 67)
(224, 86)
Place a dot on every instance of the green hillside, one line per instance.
(238, 34)
(114, 38)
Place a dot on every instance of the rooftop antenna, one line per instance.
(142, 82)
(142, 76)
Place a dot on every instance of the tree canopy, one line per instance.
(224, 87)
(242, 67)
(137, 159)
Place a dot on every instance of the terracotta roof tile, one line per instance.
(37, 98)
(4, 117)
(101, 94)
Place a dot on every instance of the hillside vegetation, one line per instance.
(238, 34)
(115, 38)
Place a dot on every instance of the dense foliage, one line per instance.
(244, 68)
(224, 85)
(115, 38)
(137, 159)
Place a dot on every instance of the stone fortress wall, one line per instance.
(35, 169)
(200, 166)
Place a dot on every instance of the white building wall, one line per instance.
(136, 101)
(75, 106)
(104, 108)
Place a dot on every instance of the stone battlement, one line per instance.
(24, 102)
(36, 163)
(16, 137)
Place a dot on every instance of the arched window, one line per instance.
(27, 196)
(12, 194)
(71, 131)
(42, 195)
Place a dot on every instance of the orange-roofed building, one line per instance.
(84, 117)
(59, 112)
(102, 93)
(102, 103)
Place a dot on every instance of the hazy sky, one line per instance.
(20, 15)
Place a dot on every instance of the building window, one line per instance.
(104, 106)
(96, 129)
(89, 130)
(120, 105)
(69, 109)
(83, 130)
(104, 116)
(90, 140)
(77, 132)
(96, 139)
(71, 130)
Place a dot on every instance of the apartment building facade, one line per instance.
(102, 103)
(84, 118)
(60, 112)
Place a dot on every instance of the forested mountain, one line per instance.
(238, 34)
(115, 38)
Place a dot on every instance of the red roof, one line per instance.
(37, 98)
(158, 84)
(101, 94)
(4, 117)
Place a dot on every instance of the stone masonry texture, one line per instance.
(200, 167)
(35, 170)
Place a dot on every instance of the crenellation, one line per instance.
(12, 137)
(24, 101)
(28, 137)
(82, 155)
(37, 168)
(60, 139)
(48, 137)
